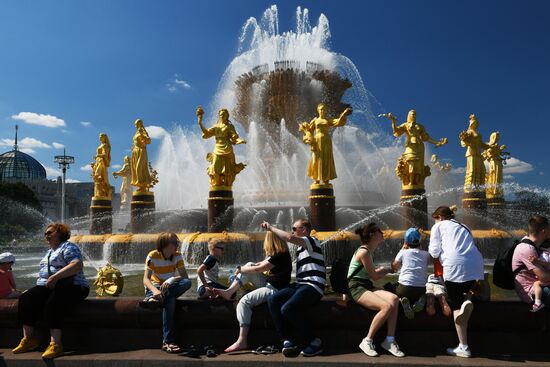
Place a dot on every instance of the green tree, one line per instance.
(20, 210)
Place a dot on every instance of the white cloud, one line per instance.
(156, 132)
(514, 165)
(116, 166)
(58, 145)
(71, 180)
(86, 168)
(86, 123)
(458, 170)
(25, 143)
(28, 150)
(51, 171)
(39, 119)
(176, 83)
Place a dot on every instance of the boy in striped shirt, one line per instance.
(288, 304)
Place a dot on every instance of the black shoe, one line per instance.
(290, 349)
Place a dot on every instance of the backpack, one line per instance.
(503, 275)
(339, 275)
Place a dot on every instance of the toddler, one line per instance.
(7, 283)
(544, 262)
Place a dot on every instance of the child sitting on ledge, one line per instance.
(413, 262)
(207, 272)
(7, 283)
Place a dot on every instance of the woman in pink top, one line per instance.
(7, 283)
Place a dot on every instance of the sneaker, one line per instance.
(419, 304)
(536, 307)
(289, 348)
(26, 345)
(409, 313)
(53, 351)
(393, 348)
(367, 346)
(465, 313)
(313, 349)
(459, 352)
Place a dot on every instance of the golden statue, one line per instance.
(141, 176)
(442, 167)
(109, 281)
(316, 135)
(410, 167)
(495, 155)
(222, 169)
(100, 174)
(475, 168)
(125, 189)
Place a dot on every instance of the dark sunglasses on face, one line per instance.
(294, 229)
(48, 233)
(219, 248)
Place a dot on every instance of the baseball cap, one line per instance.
(412, 236)
(7, 257)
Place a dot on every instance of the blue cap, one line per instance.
(412, 236)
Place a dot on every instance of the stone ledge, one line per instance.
(113, 324)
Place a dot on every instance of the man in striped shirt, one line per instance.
(289, 305)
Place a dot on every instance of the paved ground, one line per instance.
(154, 358)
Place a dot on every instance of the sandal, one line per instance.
(211, 353)
(191, 352)
(270, 349)
(150, 302)
(171, 348)
(259, 349)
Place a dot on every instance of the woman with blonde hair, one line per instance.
(277, 265)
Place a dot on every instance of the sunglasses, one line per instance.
(219, 248)
(294, 229)
(48, 233)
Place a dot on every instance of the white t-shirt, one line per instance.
(414, 263)
(453, 243)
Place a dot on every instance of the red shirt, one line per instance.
(7, 284)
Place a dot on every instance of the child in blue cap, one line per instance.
(412, 261)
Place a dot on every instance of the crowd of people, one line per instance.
(457, 264)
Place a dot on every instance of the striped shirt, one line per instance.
(161, 267)
(310, 264)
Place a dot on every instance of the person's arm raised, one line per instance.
(285, 236)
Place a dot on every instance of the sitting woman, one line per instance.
(163, 285)
(361, 273)
(61, 285)
(278, 265)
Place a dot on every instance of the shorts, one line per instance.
(456, 291)
(435, 289)
(412, 293)
(359, 286)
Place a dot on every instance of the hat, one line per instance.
(412, 236)
(7, 257)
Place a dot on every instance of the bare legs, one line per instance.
(241, 342)
(386, 304)
(229, 292)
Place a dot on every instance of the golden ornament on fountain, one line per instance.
(109, 281)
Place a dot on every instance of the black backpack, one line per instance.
(339, 275)
(503, 275)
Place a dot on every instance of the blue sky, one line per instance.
(86, 67)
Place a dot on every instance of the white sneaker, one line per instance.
(464, 313)
(459, 352)
(367, 346)
(393, 348)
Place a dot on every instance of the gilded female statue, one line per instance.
(410, 167)
(141, 177)
(494, 155)
(126, 173)
(222, 169)
(475, 168)
(100, 173)
(316, 134)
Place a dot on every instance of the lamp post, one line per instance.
(64, 161)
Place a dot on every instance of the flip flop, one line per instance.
(171, 348)
(270, 349)
(259, 349)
